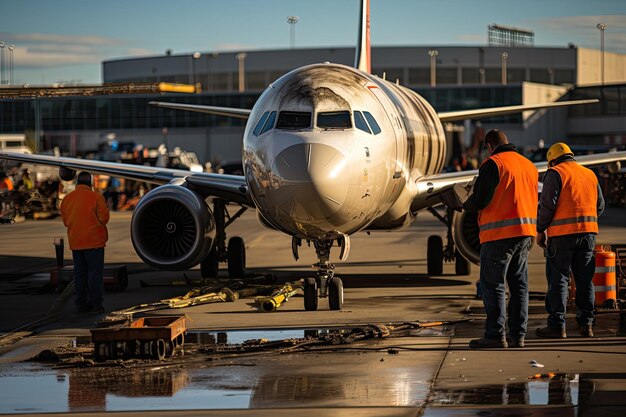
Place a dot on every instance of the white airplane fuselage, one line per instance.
(333, 174)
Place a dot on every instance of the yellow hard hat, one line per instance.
(557, 150)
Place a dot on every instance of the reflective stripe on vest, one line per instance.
(576, 210)
(508, 222)
(512, 211)
(570, 220)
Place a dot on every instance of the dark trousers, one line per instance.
(505, 262)
(89, 277)
(573, 253)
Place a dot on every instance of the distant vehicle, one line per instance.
(14, 143)
(184, 160)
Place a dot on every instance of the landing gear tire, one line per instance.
(461, 265)
(209, 267)
(335, 293)
(310, 294)
(236, 257)
(434, 255)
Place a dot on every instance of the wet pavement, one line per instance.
(421, 371)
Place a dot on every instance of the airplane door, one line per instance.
(398, 131)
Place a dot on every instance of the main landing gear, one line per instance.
(436, 253)
(326, 284)
(234, 254)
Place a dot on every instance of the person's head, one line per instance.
(495, 138)
(556, 151)
(84, 178)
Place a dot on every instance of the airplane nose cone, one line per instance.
(313, 181)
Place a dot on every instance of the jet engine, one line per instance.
(172, 228)
(465, 230)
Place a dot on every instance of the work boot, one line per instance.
(515, 343)
(585, 330)
(485, 343)
(551, 332)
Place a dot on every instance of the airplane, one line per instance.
(328, 150)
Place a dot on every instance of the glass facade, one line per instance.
(71, 113)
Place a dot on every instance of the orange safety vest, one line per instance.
(513, 210)
(576, 209)
(85, 214)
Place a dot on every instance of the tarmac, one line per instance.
(427, 371)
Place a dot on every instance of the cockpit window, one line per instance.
(334, 120)
(360, 123)
(270, 123)
(260, 123)
(293, 120)
(372, 122)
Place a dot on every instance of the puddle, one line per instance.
(237, 337)
(562, 389)
(76, 391)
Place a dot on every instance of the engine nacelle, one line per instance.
(172, 228)
(465, 230)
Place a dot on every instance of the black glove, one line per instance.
(451, 199)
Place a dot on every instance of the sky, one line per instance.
(67, 40)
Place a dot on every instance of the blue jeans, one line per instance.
(89, 277)
(573, 253)
(505, 261)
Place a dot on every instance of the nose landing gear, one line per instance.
(326, 284)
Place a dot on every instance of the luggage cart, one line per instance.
(148, 337)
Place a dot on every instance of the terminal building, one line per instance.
(77, 119)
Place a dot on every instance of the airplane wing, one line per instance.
(430, 187)
(219, 111)
(451, 116)
(232, 188)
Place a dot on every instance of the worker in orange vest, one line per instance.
(571, 201)
(505, 197)
(85, 214)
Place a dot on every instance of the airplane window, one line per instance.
(270, 123)
(334, 120)
(261, 122)
(372, 122)
(360, 123)
(293, 120)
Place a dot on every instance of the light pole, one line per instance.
(241, 57)
(195, 56)
(292, 20)
(504, 56)
(2, 62)
(433, 66)
(11, 48)
(602, 28)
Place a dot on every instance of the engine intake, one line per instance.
(172, 228)
(466, 235)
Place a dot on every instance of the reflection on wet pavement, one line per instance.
(562, 389)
